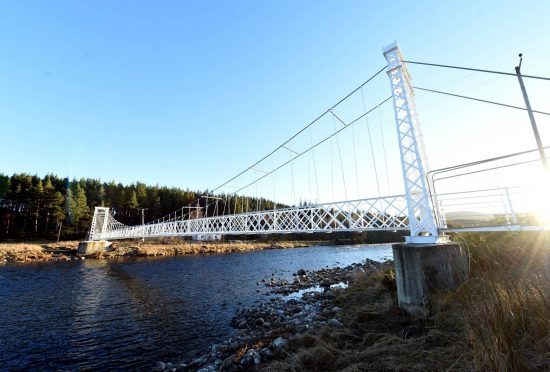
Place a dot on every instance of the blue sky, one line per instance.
(187, 94)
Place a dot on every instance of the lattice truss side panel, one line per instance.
(387, 213)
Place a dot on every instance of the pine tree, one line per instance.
(79, 206)
(101, 196)
(49, 199)
(37, 196)
(141, 194)
(132, 199)
(58, 210)
(4, 185)
(119, 196)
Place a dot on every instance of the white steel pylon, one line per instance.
(420, 212)
(99, 222)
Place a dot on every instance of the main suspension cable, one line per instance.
(480, 100)
(477, 70)
(300, 131)
(315, 145)
(286, 142)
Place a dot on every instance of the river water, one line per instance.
(129, 313)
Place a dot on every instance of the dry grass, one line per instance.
(507, 302)
(178, 247)
(25, 252)
(377, 335)
(21, 252)
(45, 251)
(498, 321)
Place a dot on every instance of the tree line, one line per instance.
(49, 207)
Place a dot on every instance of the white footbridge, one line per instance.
(422, 210)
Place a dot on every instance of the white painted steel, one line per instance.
(420, 213)
(385, 213)
(98, 225)
(508, 207)
(504, 193)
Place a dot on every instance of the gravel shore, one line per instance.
(306, 303)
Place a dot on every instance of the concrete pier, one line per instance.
(424, 269)
(92, 246)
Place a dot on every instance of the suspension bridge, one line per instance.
(432, 202)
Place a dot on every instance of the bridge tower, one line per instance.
(93, 243)
(427, 262)
(421, 212)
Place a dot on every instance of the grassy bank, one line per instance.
(499, 320)
(506, 304)
(37, 251)
(176, 247)
(45, 251)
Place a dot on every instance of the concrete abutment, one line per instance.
(425, 269)
(92, 246)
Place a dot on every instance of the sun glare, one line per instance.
(538, 197)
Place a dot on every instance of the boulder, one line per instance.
(278, 343)
(250, 358)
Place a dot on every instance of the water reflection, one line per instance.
(128, 313)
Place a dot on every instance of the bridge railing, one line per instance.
(505, 193)
(384, 213)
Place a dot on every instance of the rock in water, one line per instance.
(160, 366)
(301, 272)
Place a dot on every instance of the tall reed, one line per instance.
(507, 301)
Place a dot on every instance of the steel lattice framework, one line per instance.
(411, 211)
(423, 212)
(387, 213)
(411, 148)
(419, 210)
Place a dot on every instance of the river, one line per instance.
(129, 313)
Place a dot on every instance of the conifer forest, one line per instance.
(51, 207)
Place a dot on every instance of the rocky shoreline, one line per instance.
(263, 331)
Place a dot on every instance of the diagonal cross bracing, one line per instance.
(385, 213)
(419, 209)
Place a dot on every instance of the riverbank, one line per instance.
(324, 324)
(264, 331)
(38, 251)
(499, 320)
(176, 247)
(67, 250)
